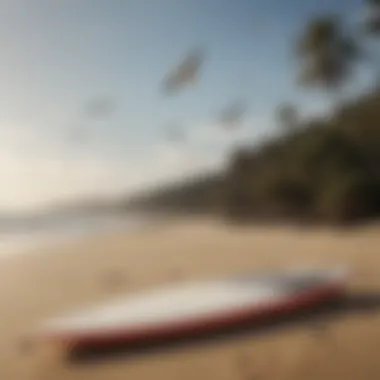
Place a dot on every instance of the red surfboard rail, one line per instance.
(300, 300)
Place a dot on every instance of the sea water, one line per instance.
(23, 233)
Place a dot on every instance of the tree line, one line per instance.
(323, 170)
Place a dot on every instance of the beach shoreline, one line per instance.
(23, 239)
(95, 268)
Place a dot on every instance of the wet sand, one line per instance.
(345, 345)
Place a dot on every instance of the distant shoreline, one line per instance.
(30, 237)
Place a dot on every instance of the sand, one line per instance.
(46, 283)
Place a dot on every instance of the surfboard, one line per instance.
(195, 307)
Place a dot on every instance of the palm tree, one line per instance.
(372, 29)
(327, 54)
(372, 21)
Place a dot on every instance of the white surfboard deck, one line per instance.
(194, 303)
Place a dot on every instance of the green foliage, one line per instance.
(327, 53)
(319, 35)
(326, 171)
(196, 196)
(372, 23)
(323, 170)
(349, 197)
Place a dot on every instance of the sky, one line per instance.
(57, 56)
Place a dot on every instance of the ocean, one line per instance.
(23, 233)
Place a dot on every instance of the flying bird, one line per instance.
(184, 74)
(233, 114)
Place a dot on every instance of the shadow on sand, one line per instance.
(315, 319)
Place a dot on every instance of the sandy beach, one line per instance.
(49, 282)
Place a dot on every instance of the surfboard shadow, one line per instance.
(316, 318)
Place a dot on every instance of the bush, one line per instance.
(348, 197)
(329, 170)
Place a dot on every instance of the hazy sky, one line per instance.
(58, 55)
